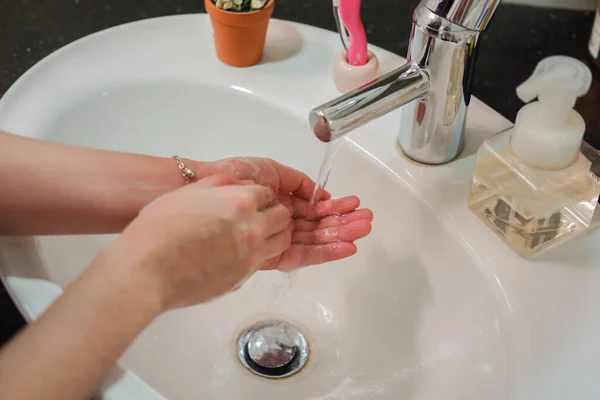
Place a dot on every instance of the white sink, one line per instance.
(434, 305)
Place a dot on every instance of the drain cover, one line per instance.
(273, 349)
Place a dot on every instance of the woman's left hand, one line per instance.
(324, 234)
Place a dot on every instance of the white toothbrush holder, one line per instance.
(349, 77)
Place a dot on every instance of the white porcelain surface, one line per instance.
(434, 306)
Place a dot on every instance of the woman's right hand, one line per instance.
(203, 240)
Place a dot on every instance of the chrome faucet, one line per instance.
(433, 88)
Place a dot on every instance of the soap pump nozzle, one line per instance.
(557, 82)
(548, 133)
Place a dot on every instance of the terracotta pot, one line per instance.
(239, 37)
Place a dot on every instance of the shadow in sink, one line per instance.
(283, 42)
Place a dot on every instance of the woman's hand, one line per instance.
(324, 234)
(203, 240)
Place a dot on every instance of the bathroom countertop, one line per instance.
(518, 37)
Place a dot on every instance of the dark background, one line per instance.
(518, 37)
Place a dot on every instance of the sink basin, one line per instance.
(433, 306)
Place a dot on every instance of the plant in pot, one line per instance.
(240, 29)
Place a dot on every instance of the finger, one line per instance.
(276, 219)
(307, 225)
(320, 194)
(275, 244)
(286, 200)
(302, 256)
(262, 196)
(302, 207)
(344, 233)
(293, 181)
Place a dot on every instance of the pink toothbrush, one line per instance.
(349, 11)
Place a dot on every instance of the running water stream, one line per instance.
(323, 176)
(324, 171)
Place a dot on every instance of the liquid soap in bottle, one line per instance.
(532, 184)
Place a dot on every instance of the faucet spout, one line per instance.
(356, 108)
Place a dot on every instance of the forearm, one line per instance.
(49, 188)
(67, 353)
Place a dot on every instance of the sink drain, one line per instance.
(273, 349)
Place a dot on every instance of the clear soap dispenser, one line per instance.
(533, 184)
